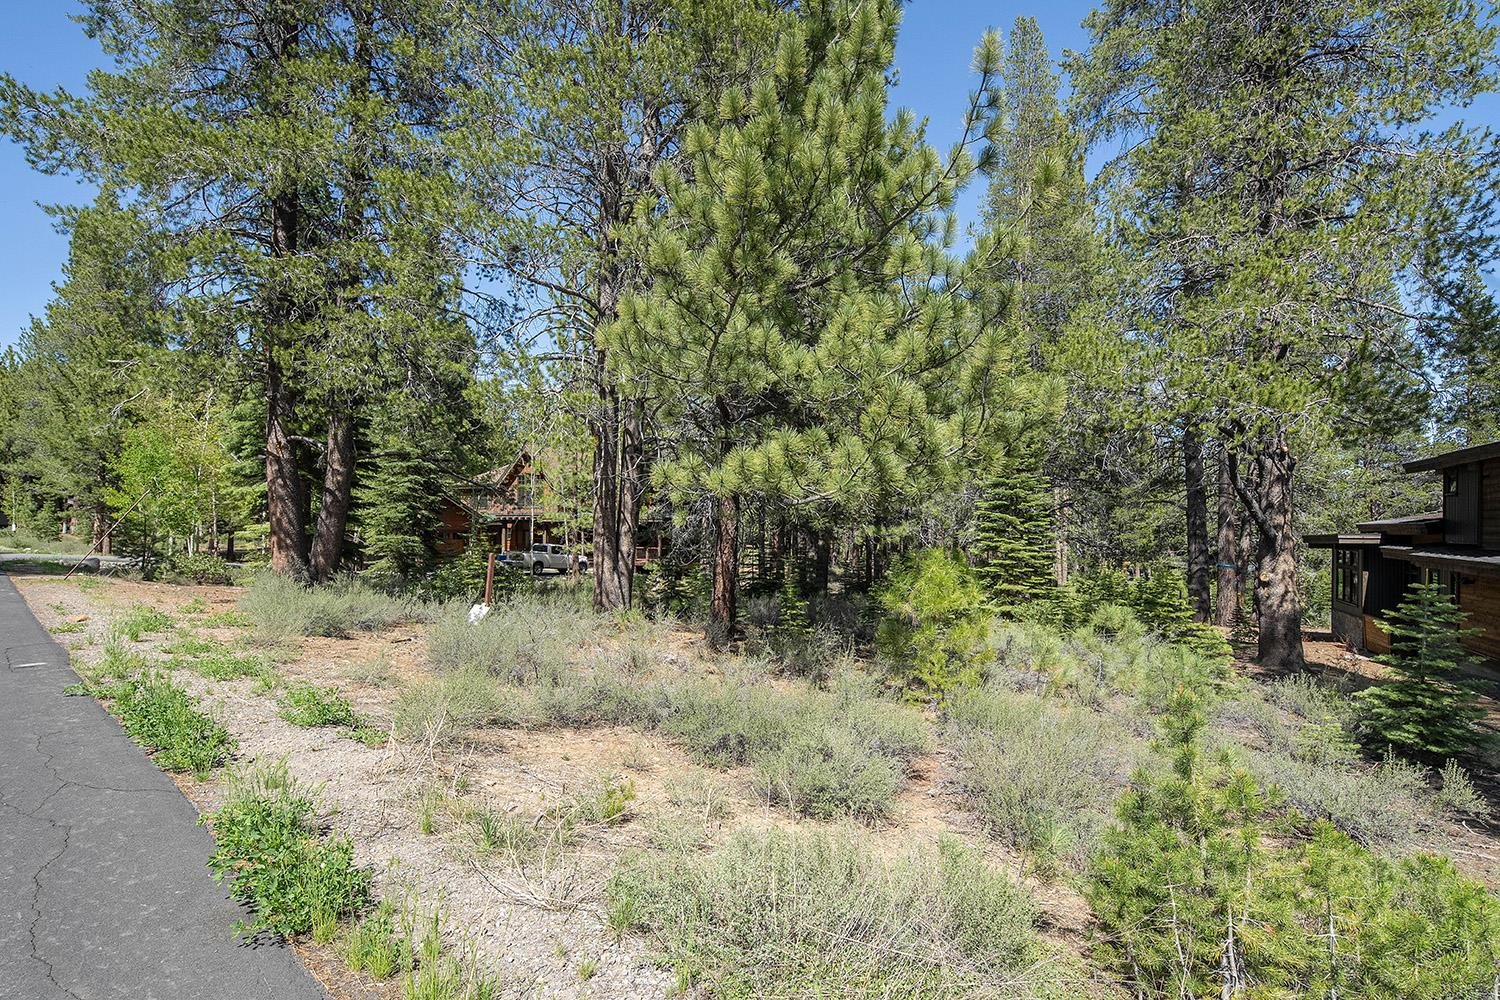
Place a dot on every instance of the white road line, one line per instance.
(37, 663)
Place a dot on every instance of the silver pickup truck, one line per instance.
(556, 558)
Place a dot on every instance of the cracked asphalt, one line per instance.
(104, 889)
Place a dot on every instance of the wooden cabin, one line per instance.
(507, 507)
(1457, 547)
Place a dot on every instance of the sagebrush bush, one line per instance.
(526, 640)
(779, 914)
(439, 711)
(829, 772)
(268, 849)
(164, 719)
(1042, 774)
(283, 608)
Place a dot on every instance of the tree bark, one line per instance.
(285, 498)
(1198, 569)
(723, 609)
(1270, 505)
(285, 503)
(1230, 554)
(337, 496)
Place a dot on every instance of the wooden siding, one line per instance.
(1489, 505)
(1479, 597)
(1376, 641)
(1461, 488)
(1349, 627)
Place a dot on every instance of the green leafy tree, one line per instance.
(1428, 706)
(803, 315)
(1014, 545)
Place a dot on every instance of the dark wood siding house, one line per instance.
(505, 507)
(1458, 547)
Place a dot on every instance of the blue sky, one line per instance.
(45, 49)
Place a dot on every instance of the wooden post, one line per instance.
(489, 580)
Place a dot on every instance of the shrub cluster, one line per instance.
(770, 914)
(283, 609)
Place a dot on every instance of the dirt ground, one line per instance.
(540, 924)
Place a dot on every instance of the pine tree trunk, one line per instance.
(1270, 504)
(1198, 558)
(1230, 553)
(99, 530)
(286, 501)
(284, 496)
(1060, 501)
(723, 610)
(337, 496)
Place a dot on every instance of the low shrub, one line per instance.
(163, 718)
(1457, 793)
(267, 848)
(142, 621)
(726, 725)
(283, 609)
(309, 706)
(526, 640)
(826, 773)
(769, 914)
(202, 567)
(1042, 774)
(441, 710)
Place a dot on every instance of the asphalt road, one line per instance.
(104, 892)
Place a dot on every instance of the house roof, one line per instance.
(1348, 541)
(1446, 557)
(1463, 456)
(1414, 524)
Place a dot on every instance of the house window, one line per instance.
(1346, 576)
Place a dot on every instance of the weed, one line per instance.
(373, 946)
(192, 645)
(309, 706)
(142, 621)
(227, 619)
(194, 607)
(441, 710)
(768, 914)
(66, 628)
(268, 849)
(221, 666)
(587, 969)
(161, 717)
(439, 975)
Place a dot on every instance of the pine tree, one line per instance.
(804, 313)
(1428, 707)
(1014, 545)
(398, 499)
(303, 242)
(1283, 193)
